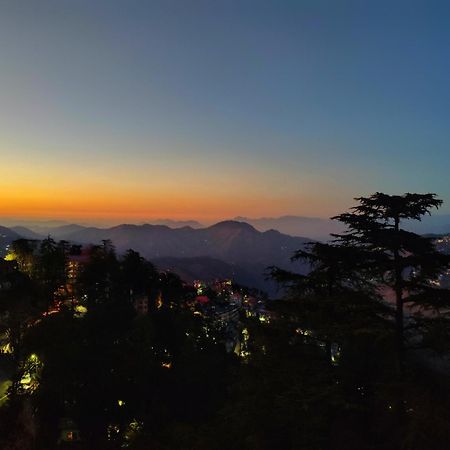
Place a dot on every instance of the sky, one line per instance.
(127, 110)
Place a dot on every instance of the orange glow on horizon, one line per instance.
(145, 206)
(133, 193)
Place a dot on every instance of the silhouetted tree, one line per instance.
(138, 275)
(99, 279)
(51, 267)
(23, 251)
(402, 261)
(336, 299)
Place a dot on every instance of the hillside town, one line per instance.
(75, 282)
(104, 324)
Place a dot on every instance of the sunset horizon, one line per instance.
(224, 224)
(214, 112)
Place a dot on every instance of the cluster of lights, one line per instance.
(32, 369)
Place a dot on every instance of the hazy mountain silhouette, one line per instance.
(27, 233)
(174, 223)
(231, 248)
(320, 229)
(312, 227)
(65, 230)
(32, 224)
(38, 230)
(6, 237)
(230, 241)
(239, 245)
(434, 224)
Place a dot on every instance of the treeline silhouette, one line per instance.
(353, 356)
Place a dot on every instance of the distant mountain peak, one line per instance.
(312, 227)
(26, 233)
(285, 217)
(171, 223)
(233, 225)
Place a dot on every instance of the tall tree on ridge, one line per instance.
(406, 262)
(335, 300)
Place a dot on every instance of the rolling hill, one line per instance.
(228, 249)
(246, 251)
(6, 237)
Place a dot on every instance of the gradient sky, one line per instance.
(128, 110)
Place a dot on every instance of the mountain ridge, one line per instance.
(231, 247)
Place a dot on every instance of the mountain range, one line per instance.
(174, 223)
(313, 227)
(239, 249)
(321, 229)
(226, 249)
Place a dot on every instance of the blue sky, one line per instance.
(220, 108)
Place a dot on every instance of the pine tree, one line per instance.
(402, 262)
(336, 299)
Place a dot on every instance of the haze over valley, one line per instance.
(240, 249)
(224, 225)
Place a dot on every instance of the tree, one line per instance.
(345, 298)
(99, 278)
(17, 310)
(404, 262)
(23, 251)
(138, 275)
(335, 300)
(51, 270)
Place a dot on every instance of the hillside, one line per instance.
(312, 227)
(246, 251)
(6, 237)
(230, 241)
